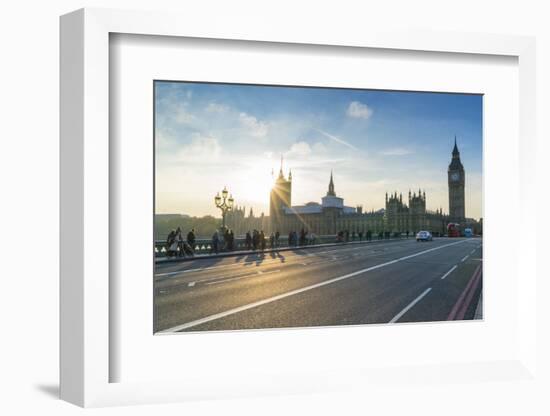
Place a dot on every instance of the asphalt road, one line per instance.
(397, 281)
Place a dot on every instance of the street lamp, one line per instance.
(224, 203)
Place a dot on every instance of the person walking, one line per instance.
(255, 239)
(180, 251)
(214, 247)
(191, 238)
(262, 240)
(272, 240)
(248, 240)
(171, 246)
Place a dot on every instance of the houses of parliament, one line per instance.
(401, 214)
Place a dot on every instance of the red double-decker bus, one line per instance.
(453, 229)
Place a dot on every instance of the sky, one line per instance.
(208, 136)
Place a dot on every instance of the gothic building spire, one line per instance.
(456, 153)
(331, 186)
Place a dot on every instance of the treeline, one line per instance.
(204, 226)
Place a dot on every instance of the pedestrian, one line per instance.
(171, 245)
(214, 247)
(191, 239)
(248, 240)
(231, 240)
(226, 241)
(261, 236)
(179, 241)
(255, 239)
(272, 240)
(277, 235)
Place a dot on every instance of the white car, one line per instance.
(424, 236)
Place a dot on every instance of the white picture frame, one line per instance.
(85, 353)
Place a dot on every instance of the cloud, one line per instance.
(300, 149)
(201, 149)
(396, 151)
(337, 139)
(255, 127)
(181, 116)
(214, 107)
(358, 110)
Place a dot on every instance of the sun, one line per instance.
(254, 184)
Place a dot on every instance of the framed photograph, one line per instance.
(281, 213)
(248, 256)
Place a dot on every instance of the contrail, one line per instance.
(337, 140)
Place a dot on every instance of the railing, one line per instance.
(204, 245)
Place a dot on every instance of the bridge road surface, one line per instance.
(394, 281)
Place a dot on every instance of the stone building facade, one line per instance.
(331, 215)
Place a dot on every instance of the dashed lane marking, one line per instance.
(409, 306)
(464, 258)
(449, 272)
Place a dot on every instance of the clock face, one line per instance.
(455, 176)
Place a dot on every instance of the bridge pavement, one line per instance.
(395, 281)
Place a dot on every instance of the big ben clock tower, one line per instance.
(456, 187)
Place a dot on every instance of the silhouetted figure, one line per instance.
(180, 251)
(262, 240)
(215, 245)
(171, 244)
(255, 239)
(248, 240)
(191, 239)
(272, 241)
(277, 236)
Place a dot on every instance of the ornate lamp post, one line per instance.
(224, 203)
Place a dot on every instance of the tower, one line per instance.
(331, 186)
(280, 198)
(456, 181)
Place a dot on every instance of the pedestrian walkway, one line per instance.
(268, 250)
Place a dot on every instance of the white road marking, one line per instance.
(297, 291)
(465, 258)
(191, 284)
(410, 305)
(473, 251)
(449, 272)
